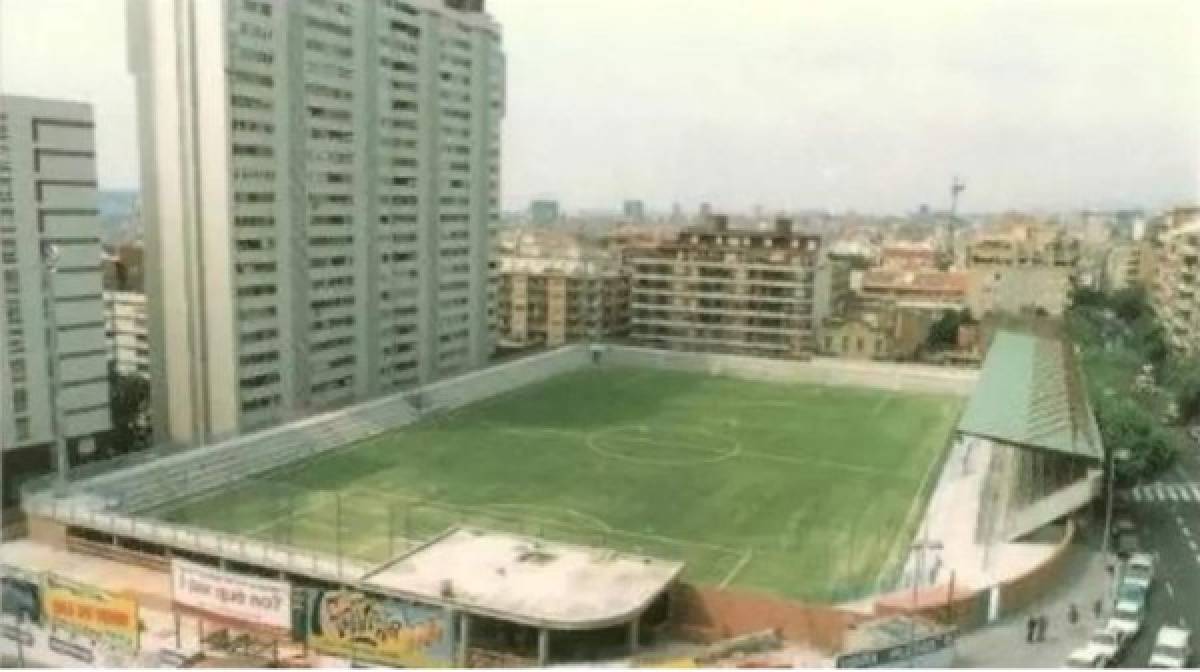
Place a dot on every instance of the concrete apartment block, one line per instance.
(320, 184)
(50, 319)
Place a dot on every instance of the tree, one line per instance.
(943, 334)
(1183, 379)
(1126, 427)
(1130, 304)
(130, 404)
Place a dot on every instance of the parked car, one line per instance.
(1102, 650)
(1139, 570)
(1172, 648)
(1127, 545)
(1132, 592)
(1122, 524)
(1127, 617)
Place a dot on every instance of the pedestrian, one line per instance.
(1072, 614)
(1041, 628)
(1030, 629)
(1098, 607)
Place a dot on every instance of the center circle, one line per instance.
(666, 447)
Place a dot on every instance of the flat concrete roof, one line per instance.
(527, 580)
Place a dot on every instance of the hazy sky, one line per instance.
(784, 103)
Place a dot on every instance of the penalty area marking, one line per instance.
(833, 464)
(742, 562)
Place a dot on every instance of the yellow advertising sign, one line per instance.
(92, 612)
(386, 632)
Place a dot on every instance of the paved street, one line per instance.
(1170, 527)
(1084, 581)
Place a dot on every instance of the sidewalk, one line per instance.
(1003, 644)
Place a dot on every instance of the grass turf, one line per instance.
(805, 491)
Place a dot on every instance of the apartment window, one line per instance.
(20, 400)
(16, 368)
(22, 429)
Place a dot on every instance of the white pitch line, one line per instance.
(737, 568)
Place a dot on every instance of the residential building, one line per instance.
(1025, 267)
(1176, 289)
(557, 287)
(908, 256)
(931, 290)
(52, 356)
(321, 179)
(126, 334)
(750, 292)
(1126, 264)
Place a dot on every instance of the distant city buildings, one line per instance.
(1024, 267)
(53, 362)
(322, 182)
(557, 287)
(544, 212)
(633, 211)
(723, 290)
(1175, 285)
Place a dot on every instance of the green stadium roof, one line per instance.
(1030, 394)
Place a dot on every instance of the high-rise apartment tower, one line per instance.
(320, 181)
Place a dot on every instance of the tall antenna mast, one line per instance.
(956, 187)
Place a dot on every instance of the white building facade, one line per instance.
(53, 315)
(320, 179)
(126, 333)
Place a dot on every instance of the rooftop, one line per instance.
(940, 281)
(1030, 393)
(527, 580)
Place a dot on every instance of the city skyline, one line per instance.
(849, 107)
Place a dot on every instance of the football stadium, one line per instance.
(789, 488)
(572, 505)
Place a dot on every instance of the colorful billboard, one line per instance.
(89, 611)
(246, 599)
(382, 631)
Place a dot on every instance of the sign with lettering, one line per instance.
(247, 599)
(376, 630)
(94, 613)
(894, 656)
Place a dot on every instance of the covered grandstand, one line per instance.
(1032, 406)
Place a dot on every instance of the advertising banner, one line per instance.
(247, 599)
(375, 630)
(92, 612)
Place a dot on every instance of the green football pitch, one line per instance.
(800, 490)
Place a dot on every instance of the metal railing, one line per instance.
(202, 540)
